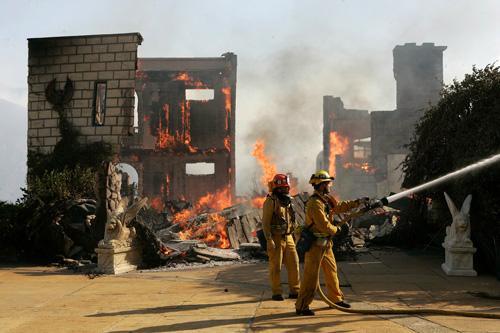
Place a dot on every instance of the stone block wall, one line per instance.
(85, 60)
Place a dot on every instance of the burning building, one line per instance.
(364, 149)
(171, 119)
(183, 142)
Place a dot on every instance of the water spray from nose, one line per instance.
(476, 166)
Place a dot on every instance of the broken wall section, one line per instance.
(102, 68)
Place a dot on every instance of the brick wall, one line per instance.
(85, 60)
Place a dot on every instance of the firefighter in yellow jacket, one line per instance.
(320, 209)
(278, 224)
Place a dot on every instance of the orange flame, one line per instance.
(338, 146)
(184, 121)
(366, 167)
(258, 202)
(157, 204)
(189, 81)
(213, 230)
(226, 91)
(166, 250)
(268, 168)
(165, 139)
(227, 143)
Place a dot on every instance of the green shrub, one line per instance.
(10, 229)
(66, 184)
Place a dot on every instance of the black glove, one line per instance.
(378, 203)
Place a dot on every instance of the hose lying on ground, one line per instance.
(419, 311)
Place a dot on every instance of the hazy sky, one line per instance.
(290, 54)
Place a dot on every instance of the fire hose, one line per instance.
(394, 197)
(419, 311)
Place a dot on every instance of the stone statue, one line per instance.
(458, 246)
(458, 233)
(118, 232)
(117, 251)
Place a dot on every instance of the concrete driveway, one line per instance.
(236, 298)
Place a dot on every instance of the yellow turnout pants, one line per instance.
(284, 252)
(319, 257)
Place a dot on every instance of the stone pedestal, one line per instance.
(458, 261)
(117, 260)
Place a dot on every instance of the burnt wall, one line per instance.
(350, 123)
(104, 63)
(175, 130)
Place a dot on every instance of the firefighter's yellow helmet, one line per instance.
(319, 177)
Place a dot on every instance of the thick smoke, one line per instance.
(290, 54)
(285, 99)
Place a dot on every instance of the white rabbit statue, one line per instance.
(458, 233)
(458, 246)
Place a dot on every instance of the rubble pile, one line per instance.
(167, 241)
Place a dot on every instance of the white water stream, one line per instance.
(442, 179)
